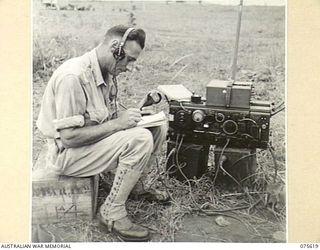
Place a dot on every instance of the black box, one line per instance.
(192, 159)
(240, 164)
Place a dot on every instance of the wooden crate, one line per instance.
(56, 198)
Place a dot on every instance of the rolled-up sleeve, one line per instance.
(70, 103)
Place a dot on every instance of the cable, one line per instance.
(247, 135)
(166, 98)
(182, 106)
(174, 150)
(276, 112)
(210, 211)
(189, 188)
(178, 135)
(169, 155)
(227, 173)
(220, 158)
(279, 105)
(177, 155)
(184, 176)
(115, 82)
(248, 119)
(241, 158)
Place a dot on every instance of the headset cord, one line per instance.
(115, 83)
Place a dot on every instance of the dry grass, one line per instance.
(189, 45)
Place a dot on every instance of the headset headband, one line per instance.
(125, 36)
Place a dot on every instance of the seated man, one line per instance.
(87, 135)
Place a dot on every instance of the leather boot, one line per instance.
(113, 213)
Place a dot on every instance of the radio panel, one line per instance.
(203, 124)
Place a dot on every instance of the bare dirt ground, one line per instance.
(187, 44)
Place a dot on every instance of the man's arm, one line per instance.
(77, 137)
(74, 129)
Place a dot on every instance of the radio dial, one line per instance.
(198, 116)
(220, 117)
(230, 127)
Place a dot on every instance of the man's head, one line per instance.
(109, 49)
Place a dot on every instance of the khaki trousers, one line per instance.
(129, 148)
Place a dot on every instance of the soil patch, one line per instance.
(205, 229)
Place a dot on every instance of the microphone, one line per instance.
(152, 97)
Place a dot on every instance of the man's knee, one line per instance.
(143, 137)
(138, 149)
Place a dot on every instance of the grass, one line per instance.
(190, 45)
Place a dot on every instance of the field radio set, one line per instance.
(228, 118)
(228, 112)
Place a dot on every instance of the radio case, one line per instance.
(239, 97)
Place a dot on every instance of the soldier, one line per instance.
(87, 134)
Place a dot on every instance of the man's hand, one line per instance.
(92, 133)
(129, 118)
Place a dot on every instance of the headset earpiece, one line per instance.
(119, 52)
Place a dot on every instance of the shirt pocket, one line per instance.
(95, 105)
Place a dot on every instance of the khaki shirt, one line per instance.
(75, 91)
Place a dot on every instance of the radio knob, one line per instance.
(209, 118)
(198, 116)
(263, 126)
(180, 115)
(219, 117)
(230, 127)
(196, 98)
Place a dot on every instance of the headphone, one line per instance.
(119, 52)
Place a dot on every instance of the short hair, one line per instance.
(137, 35)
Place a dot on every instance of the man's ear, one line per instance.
(114, 45)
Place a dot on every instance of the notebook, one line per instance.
(153, 120)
